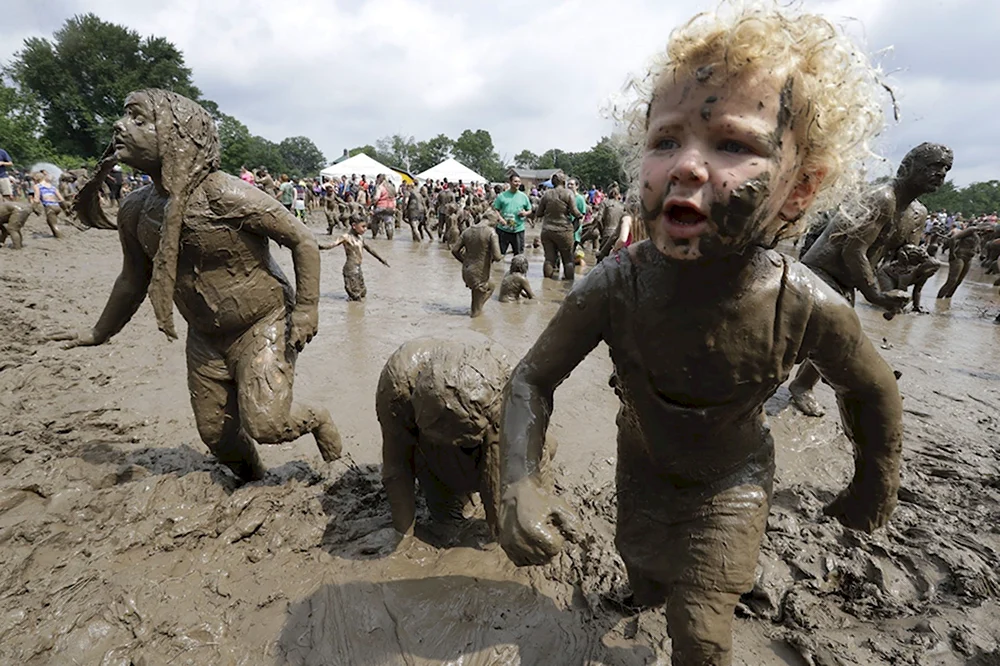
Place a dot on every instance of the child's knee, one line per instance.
(265, 427)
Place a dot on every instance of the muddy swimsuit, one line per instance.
(695, 470)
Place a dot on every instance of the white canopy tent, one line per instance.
(453, 170)
(361, 165)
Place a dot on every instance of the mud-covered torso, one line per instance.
(964, 248)
(693, 376)
(614, 210)
(828, 252)
(226, 277)
(12, 212)
(555, 208)
(414, 204)
(478, 254)
(511, 287)
(353, 248)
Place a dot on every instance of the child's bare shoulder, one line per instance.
(828, 312)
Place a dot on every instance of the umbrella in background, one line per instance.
(49, 168)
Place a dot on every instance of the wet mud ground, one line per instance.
(123, 542)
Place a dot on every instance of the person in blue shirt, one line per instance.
(6, 189)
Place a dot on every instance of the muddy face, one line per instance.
(135, 134)
(719, 163)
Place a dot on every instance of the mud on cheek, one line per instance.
(740, 220)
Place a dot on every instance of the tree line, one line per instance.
(600, 166)
(60, 97)
(971, 201)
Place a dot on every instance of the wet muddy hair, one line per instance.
(835, 91)
(519, 264)
(925, 152)
(188, 145)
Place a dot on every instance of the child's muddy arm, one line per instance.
(399, 446)
(533, 522)
(375, 254)
(858, 238)
(330, 246)
(870, 409)
(458, 250)
(495, 247)
(526, 288)
(130, 287)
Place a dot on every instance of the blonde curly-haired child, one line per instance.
(745, 122)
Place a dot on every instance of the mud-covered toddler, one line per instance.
(745, 122)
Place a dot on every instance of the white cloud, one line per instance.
(534, 74)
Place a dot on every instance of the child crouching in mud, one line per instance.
(746, 121)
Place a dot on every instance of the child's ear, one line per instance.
(802, 195)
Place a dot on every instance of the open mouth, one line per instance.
(685, 221)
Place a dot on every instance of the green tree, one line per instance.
(526, 160)
(234, 141)
(974, 199)
(368, 150)
(301, 156)
(599, 166)
(21, 127)
(397, 151)
(431, 153)
(475, 150)
(81, 78)
(267, 154)
(557, 159)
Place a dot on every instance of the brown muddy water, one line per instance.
(123, 542)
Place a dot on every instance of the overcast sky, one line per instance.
(534, 74)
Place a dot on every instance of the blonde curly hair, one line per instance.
(836, 108)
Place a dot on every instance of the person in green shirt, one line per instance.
(581, 205)
(513, 205)
(286, 192)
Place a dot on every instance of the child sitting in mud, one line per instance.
(744, 122)
(438, 403)
(354, 242)
(515, 284)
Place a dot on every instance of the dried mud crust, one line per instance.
(123, 542)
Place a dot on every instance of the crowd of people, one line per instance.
(685, 276)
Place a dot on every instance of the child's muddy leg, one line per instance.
(700, 625)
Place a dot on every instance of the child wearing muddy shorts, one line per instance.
(740, 132)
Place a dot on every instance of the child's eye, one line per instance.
(735, 147)
(665, 143)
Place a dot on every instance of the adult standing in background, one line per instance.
(512, 205)
(6, 190)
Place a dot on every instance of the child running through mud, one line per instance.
(354, 242)
(744, 122)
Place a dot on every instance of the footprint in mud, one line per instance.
(445, 620)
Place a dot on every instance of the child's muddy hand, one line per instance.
(305, 323)
(894, 300)
(534, 524)
(71, 339)
(859, 511)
